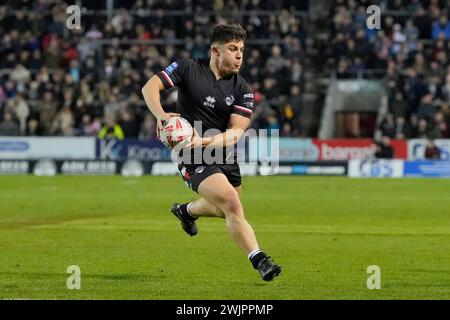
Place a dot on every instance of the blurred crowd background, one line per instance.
(56, 81)
(411, 51)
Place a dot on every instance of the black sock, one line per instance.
(185, 213)
(257, 258)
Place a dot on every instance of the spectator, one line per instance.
(111, 130)
(387, 126)
(445, 109)
(270, 90)
(276, 59)
(413, 92)
(440, 128)
(198, 49)
(272, 122)
(384, 149)
(63, 123)
(411, 33)
(426, 108)
(9, 127)
(94, 33)
(53, 53)
(10, 89)
(412, 128)
(47, 110)
(20, 74)
(422, 129)
(121, 21)
(441, 26)
(88, 127)
(446, 89)
(423, 23)
(342, 71)
(397, 107)
(148, 128)
(33, 128)
(128, 124)
(432, 152)
(295, 106)
(286, 130)
(400, 132)
(21, 109)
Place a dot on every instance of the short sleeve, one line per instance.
(175, 73)
(244, 102)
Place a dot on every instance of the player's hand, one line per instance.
(166, 116)
(195, 142)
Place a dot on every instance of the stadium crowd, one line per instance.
(56, 81)
(411, 51)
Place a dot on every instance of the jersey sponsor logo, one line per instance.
(171, 68)
(199, 169)
(248, 96)
(229, 100)
(209, 101)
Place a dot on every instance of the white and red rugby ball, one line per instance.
(174, 131)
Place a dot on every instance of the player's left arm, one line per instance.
(236, 129)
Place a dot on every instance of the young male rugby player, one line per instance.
(212, 91)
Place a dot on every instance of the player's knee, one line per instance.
(231, 204)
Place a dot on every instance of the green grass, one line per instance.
(325, 232)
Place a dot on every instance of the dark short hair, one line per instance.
(224, 33)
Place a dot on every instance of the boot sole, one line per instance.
(274, 272)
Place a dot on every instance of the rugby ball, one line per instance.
(175, 131)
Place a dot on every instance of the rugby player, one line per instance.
(212, 91)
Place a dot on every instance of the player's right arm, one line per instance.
(151, 92)
(172, 75)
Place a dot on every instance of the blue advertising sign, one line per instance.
(145, 150)
(427, 169)
(375, 168)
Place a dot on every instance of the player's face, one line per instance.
(230, 56)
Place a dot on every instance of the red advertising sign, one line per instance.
(346, 149)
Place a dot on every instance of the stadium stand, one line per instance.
(55, 81)
(60, 82)
(410, 53)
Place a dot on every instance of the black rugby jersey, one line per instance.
(203, 98)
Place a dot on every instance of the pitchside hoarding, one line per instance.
(292, 149)
(416, 148)
(48, 167)
(375, 168)
(47, 147)
(398, 169)
(432, 169)
(144, 150)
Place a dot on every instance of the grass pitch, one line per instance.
(324, 232)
